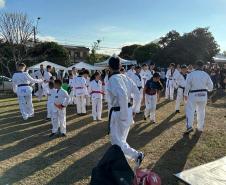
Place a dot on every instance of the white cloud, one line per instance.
(2, 3)
(47, 38)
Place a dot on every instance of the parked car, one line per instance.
(5, 83)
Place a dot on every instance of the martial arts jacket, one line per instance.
(80, 86)
(96, 90)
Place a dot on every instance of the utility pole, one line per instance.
(35, 29)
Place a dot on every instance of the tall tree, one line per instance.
(15, 30)
(146, 52)
(128, 51)
(169, 38)
(50, 51)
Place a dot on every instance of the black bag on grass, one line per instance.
(112, 169)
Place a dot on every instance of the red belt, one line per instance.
(99, 92)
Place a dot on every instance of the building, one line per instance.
(77, 53)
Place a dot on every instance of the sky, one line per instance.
(120, 22)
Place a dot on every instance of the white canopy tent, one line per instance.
(219, 59)
(84, 65)
(46, 63)
(123, 61)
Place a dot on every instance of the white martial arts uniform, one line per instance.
(139, 82)
(130, 73)
(39, 75)
(171, 75)
(105, 88)
(88, 96)
(120, 89)
(145, 75)
(59, 115)
(197, 84)
(180, 84)
(50, 102)
(95, 89)
(45, 85)
(80, 91)
(21, 82)
(72, 95)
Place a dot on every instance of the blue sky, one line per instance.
(120, 22)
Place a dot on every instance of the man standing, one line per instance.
(197, 85)
(120, 88)
(136, 77)
(171, 75)
(39, 75)
(181, 82)
(21, 86)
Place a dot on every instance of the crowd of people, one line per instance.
(124, 92)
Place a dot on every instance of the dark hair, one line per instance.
(94, 75)
(51, 85)
(114, 63)
(80, 73)
(183, 66)
(199, 63)
(172, 64)
(122, 69)
(85, 71)
(21, 65)
(138, 67)
(144, 65)
(48, 67)
(156, 75)
(58, 81)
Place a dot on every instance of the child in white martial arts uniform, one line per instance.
(80, 91)
(21, 86)
(136, 77)
(120, 89)
(61, 100)
(50, 99)
(151, 96)
(87, 78)
(47, 77)
(171, 75)
(96, 92)
(72, 96)
(180, 83)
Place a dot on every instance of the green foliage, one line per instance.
(128, 51)
(146, 52)
(50, 51)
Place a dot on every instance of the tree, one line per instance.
(50, 51)
(146, 52)
(128, 51)
(169, 38)
(15, 31)
(95, 47)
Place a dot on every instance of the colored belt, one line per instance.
(22, 85)
(98, 92)
(198, 90)
(114, 109)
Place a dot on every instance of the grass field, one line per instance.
(29, 156)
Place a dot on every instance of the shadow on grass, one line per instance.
(53, 154)
(174, 160)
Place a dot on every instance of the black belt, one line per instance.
(198, 90)
(114, 109)
(139, 88)
(181, 87)
(22, 85)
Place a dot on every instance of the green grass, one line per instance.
(29, 156)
